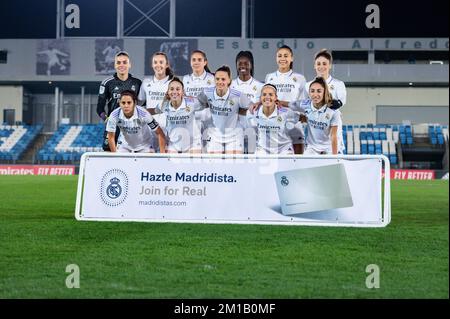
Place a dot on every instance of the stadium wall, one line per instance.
(362, 103)
(11, 97)
(23, 57)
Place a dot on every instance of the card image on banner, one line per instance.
(313, 189)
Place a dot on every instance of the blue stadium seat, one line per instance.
(69, 142)
(362, 135)
(393, 159)
(376, 135)
(402, 138)
(409, 140)
(16, 139)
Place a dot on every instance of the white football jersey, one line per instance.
(318, 126)
(224, 111)
(273, 130)
(290, 85)
(136, 130)
(193, 85)
(180, 124)
(152, 91)
(252, 88)
(338, 92)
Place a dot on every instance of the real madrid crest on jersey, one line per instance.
(255, 88)
(327, 116)
(295, 79)
(231, 102)
(208, 82)
(138, 121)
(188, 109)
(331, 87)
(279, 119)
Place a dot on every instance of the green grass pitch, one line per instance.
(39, 237)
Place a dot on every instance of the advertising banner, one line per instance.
(37, 170)
(325, 190)
(415, 174)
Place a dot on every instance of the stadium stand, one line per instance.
(372, 139)
(424, 146)
(436, 135)
(15, 139)
(69, 142)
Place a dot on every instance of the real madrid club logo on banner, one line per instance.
(114, 187)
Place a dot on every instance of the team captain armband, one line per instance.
(153, 125)
(335, 104)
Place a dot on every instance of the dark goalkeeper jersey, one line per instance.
(110, 90)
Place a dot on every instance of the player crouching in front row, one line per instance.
(134, 123)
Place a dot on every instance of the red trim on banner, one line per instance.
(415, 174)
(37, 170)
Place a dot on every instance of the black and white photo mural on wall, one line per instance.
(178, 52)
(53, 57)
(105, 52)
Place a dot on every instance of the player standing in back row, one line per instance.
(247, 84)
(111, 89)
(290, 86)
(154, 87)
(200, 79)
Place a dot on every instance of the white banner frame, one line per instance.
(386, 207)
